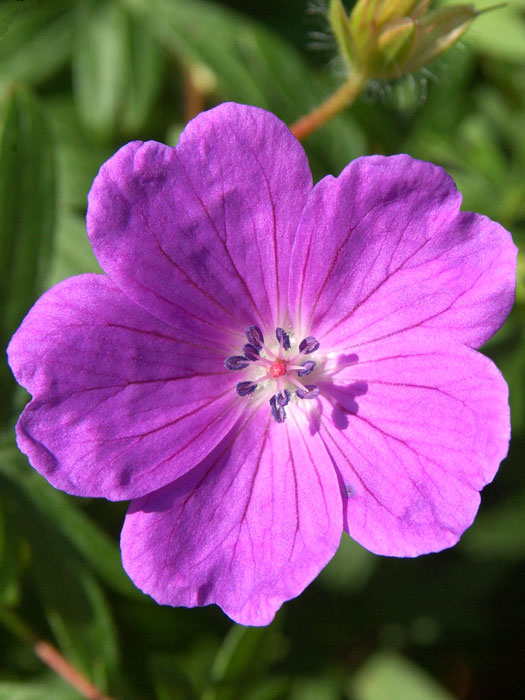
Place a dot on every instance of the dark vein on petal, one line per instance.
(224, 246)
(226, 444)
(418, 456)
(296, 495)
(161, 336)
(376, 288)
(182, 310)
(419, 324)
(409, 385)
(137, 382)
(355, 472)
(338, 253)
(185, 275)
(312, 461)
(301, 284)
(274, 221)
(137, 438)
(252, 484)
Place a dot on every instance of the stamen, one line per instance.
(264, 361)
(273, 357)
(278, 412)
(245, 388)
(278, 369)
(309, 345)
(236, 362)
(255, 336)
(310, 391)
(283, 338)
(307, 368)
(250, 352)
(283, 398)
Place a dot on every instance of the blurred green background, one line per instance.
(77, 80)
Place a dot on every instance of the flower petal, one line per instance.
(416, 429)
(122, 403)
(247, 529)
(383, 248)
(205, 228)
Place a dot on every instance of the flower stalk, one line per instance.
(343, 97)
(385, 40)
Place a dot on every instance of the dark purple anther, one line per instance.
(310, 391)
(255, 336)
(307, 368)
(278, 412)
(282, 398)
(250, 352)
(245, 388)
(309, 344)
(236, 362)
(283, 338)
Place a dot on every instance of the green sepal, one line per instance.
(437, 31)
(396, 9)
(27, 224)
(394, 43)
(363, 23)
(341, 28)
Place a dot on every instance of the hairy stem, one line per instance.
(47, 653)
(341, 98)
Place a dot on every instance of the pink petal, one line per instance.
(204, 229)
(417, 429)
(383, 248)
(122, 403)
(247, 529)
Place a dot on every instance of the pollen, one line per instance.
(277, 369)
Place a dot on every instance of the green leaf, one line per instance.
(500, 33)
(72, 600)
(117, 69)
(60, 512)
(28, 206)
(509, 355)
(72, 254)
(99, 66)
(144, 73)
(498, 533)
(37, 41)
(169, 679)
(47, 687)
(350, 568)
(9, 559)
(246, 651)
(6, 15)
(75, 608)
(79, 159)
(323, 687)
(243, 658)
(389, 675)
(272, 688)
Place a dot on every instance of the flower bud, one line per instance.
(390, 38)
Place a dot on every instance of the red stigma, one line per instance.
(278, 369)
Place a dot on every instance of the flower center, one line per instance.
(276, 368)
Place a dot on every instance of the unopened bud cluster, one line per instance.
(390, 38)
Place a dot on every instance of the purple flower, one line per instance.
(265, 364)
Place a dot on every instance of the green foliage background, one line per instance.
(77, 80)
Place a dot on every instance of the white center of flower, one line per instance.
(284, 372)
